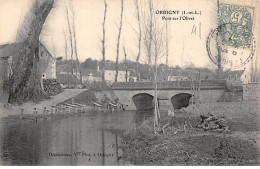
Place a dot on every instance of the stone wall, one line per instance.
(3, 76)
(251, 91)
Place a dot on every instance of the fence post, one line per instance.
(52, 111)
(45, 112)
(35, 112)
(21, 115)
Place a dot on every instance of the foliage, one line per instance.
(163, 69)
(89, 64)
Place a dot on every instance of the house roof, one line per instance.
(67, 79)
(94, 72)
(61, 68)
(47, 51)
(8, 50)
(233, 73)
(205, 75)
(2, 46)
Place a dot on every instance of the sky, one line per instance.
(88, 22)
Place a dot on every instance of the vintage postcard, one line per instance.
(129, 82)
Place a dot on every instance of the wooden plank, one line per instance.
(112, 104)
(99, 105)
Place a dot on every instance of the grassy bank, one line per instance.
(195, 146)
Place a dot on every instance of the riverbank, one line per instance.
(84, 97)
(195, 146)
(14, 110)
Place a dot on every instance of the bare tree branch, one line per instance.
(118, 38)
(139, 37)
(103, 43)
(70, 34)
(75, 42)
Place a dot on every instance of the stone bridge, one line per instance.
(176, 94)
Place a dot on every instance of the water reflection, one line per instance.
(86, 139)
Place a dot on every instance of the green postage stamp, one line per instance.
(236, 24)
(234, 36)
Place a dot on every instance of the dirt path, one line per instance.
(28, 107)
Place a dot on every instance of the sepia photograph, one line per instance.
(129, 83)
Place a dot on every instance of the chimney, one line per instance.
(97, 67)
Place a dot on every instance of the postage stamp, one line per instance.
(236, 24)
(233, 39)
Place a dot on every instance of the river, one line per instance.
(91, 138)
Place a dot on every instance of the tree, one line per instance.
(167, 39)
(75, 42)
(25, 61)
(126, 75)
(89, 64)
(167, 43)
(219, 64)
(154, 38)
(66, 54)
(70, 35)
(118, 38)
(139, 34)
(103, 44)
(148, 18)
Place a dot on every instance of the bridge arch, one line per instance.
(181, 100)
(143, 101)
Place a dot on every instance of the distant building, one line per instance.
(181, 75)
(133, 75)
(90, 75)
(207, 76)
(245, 77)
(62, 69)
(111, 74)
(6, 55)
(236, 76)
(177, 78)
(47, 66)
(69, 81)
(47, 63)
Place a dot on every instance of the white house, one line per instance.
(111, 74)
(47, 63)
(90, 75)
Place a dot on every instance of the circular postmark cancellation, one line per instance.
(232, 56)
(232, 44)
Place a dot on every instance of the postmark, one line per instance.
(233, 39)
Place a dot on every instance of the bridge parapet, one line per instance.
(168, 85)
